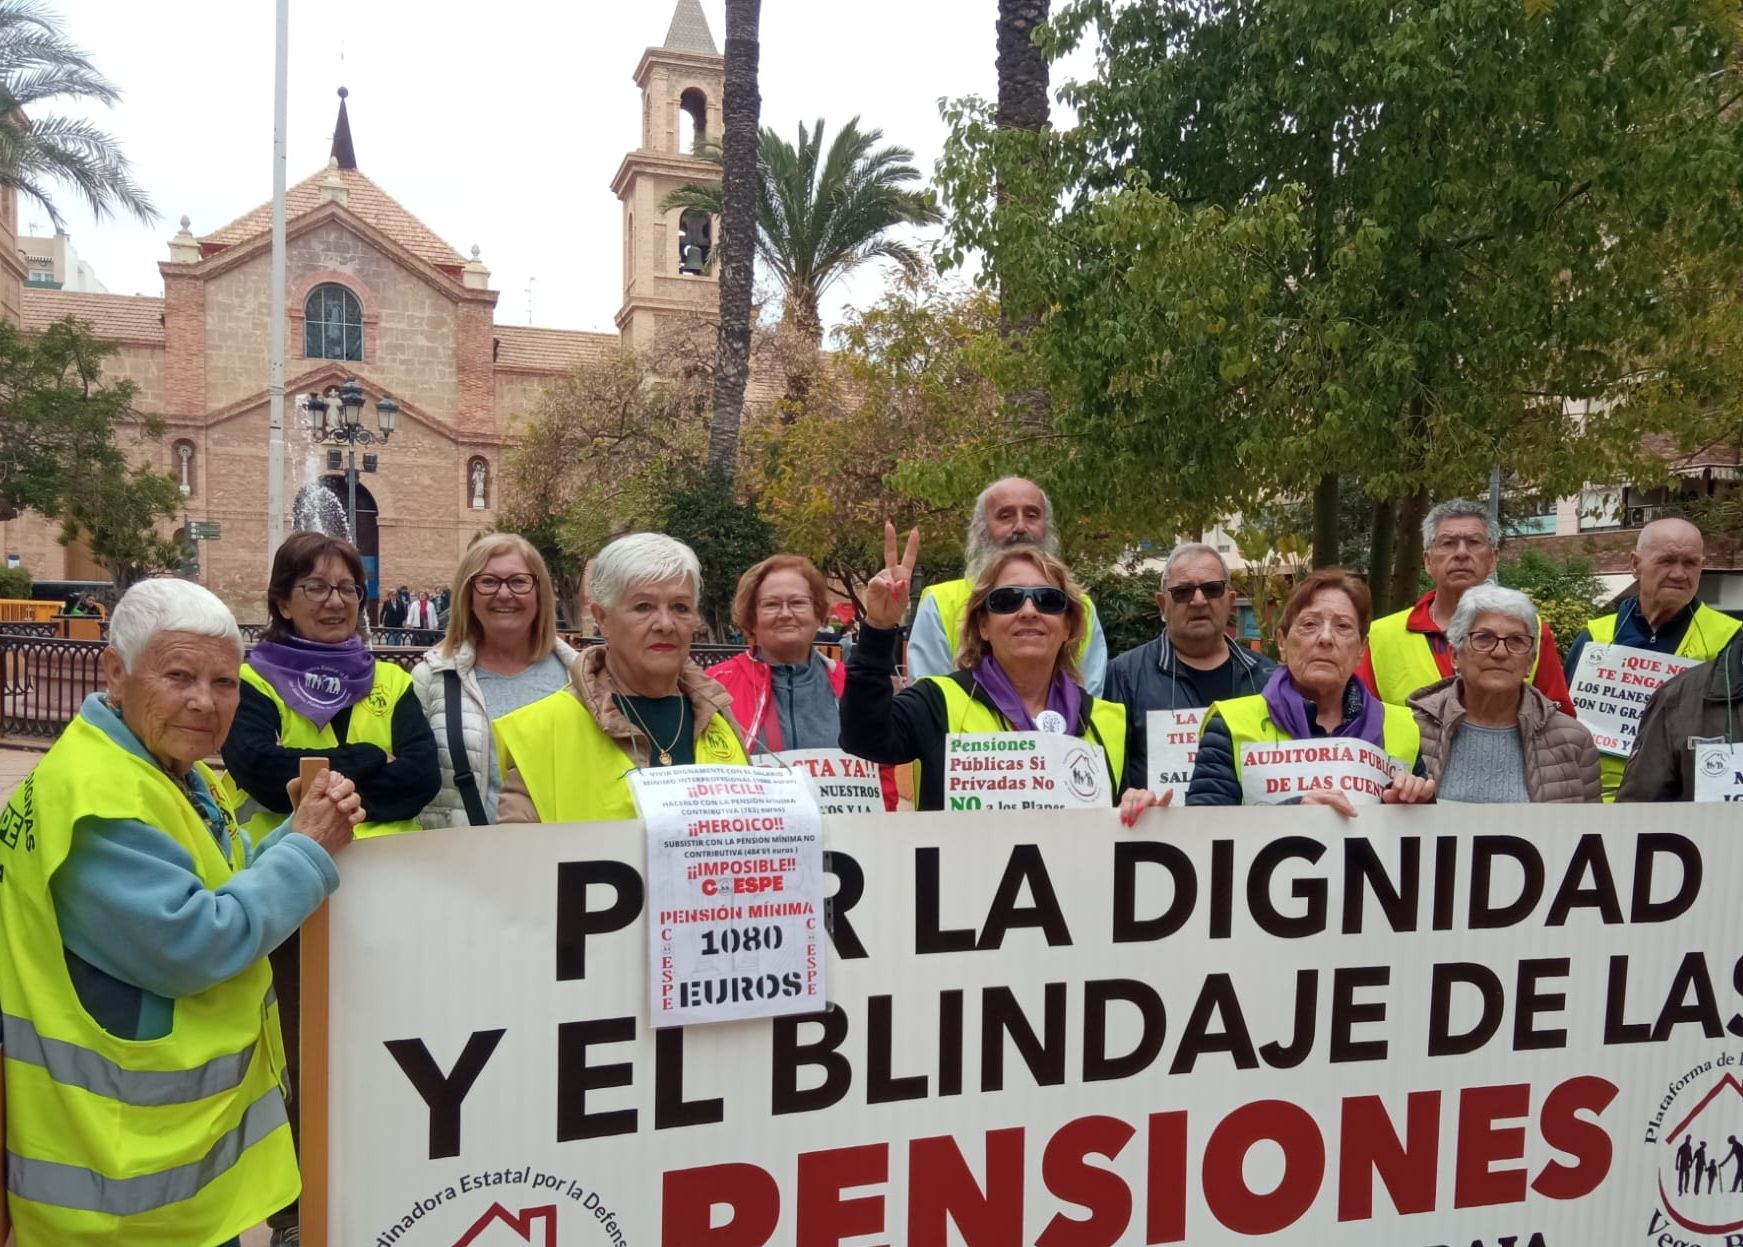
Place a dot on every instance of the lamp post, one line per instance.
(338, 418)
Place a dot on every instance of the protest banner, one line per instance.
(842, 783)
(1610, 689)
(1276, 772)
(1719, 777)
(1414, 1029)
(1171, 738)
(1024, 771)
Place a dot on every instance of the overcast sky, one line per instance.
(498, 124)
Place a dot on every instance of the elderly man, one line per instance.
(1009, 512)
(1408, 649)
(1665, 617)
(1191, 663)
(141, 1035)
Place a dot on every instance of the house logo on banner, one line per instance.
(1714, 764)
(1697, 1137)
(1081, 772)
(588, 1218)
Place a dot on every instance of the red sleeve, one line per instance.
(1365, 671)
(1550, 679)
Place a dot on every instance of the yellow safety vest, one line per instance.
(573, 771)
(963, 713)
(371, 724)
(1403, 661)
(1249, 722)
(953, 597)
(145, 1142)
(1708, 633)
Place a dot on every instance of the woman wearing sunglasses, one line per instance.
(501, 652)
(1487, 734)
(1017, 671)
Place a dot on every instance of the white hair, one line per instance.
(1459, 509)
(166, 605)
(979, 547)
(1192, 549)
(642, 558)
(1492, 600)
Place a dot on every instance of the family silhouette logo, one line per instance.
(499, 1227)
(1700, 1160)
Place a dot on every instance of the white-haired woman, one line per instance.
(501, 652)
(637, 700)
(1488, 735)
(133, 944)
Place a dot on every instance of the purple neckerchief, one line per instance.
(1063, 695)
(1289, 712)
(317, 680)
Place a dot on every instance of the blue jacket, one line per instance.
(1152, 677)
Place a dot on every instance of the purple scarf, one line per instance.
(1063, 696)
(317, 680)
(1289, 712)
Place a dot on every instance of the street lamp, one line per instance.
(338, 418)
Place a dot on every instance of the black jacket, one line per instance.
(1152, 677)
(1701, 702)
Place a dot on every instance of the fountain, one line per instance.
(316, 510)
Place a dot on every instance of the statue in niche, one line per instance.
(480, 477)
(185, 453)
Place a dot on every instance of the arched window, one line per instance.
(694, 104)
(695, 241)
(332, 324)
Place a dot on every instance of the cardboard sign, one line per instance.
(1611, 686)
(1172, 749)
(735, 885)
(1284, 771)
(1024, 771)
(1719, 772)
(842, 783)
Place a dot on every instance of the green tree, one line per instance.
(15, 582)
(1396, 242)
(741, 106)
(117, 511)
(727, 534)
(1567, 592)
(39, 150)
(822, 213)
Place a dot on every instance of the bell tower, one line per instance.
(666, 268)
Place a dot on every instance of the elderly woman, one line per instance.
(1311, 696)
(1017, 671)
(784, 693)
(501, 652)
(1487, 734)
(141, 1038)
(635, 701)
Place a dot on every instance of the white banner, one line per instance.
(1224, 1027)
(842, 783)
(1611, 686)
(1171, 738)
(735, 885)
(1286, 771)
(1719, 777)
(1024, 771)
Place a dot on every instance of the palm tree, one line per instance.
(38, 64)
(735, 202)
(823, 213)
(1022, 66)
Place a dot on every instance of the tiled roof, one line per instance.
(550, 350)
(364, 198)
(689, 30)
(121, 317)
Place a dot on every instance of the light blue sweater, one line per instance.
(140, 928)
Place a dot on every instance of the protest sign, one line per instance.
(1276, 772)
(842, 783)
(1611, 686)
(1719, 777)
(1224, 1026)
(1024, 771)
(735, 884)
(1171, 738)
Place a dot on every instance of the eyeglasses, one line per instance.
(520, 585)
(1212, 590)
(1484, 642)
(788, 606)
(1009, 599)
(1446, 545)
(320, 590)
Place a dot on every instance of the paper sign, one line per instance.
(1024, 771)
(1172, 749)
(1611, 686)
(735, 893)
(1273, 772)
(1719, 772)
(842, 783)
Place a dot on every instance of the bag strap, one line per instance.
(454, 703)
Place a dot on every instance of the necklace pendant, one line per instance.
(665, 758)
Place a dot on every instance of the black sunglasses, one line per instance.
(1009, 599)
(1212, 590)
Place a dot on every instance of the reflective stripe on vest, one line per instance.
(1709, 631)
(1249, 722)
(963, 713)
(573, 771)
(371, 723)
(1403, 660)
(150, 1142)
(952, 597)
